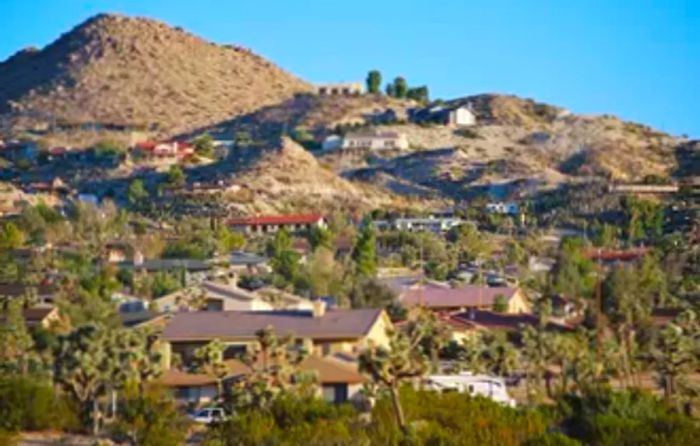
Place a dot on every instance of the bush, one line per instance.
(625, 418)
(150, 418)
(291, 420)
(26, 404)
(454, 418)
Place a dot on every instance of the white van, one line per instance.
(490, 387)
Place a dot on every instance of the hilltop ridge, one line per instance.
(137, 72)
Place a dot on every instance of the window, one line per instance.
(335, 393)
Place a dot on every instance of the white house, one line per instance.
(375, 140)
(503, 208)
(431, 224)
(461, 116)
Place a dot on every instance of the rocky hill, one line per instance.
(135, 73)
(288, 178)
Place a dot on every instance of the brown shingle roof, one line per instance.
(465, 296)
(334, 324)
(491, 320)
(16, 290)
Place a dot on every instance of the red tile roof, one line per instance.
(465, 296)
(147, 145)
(622, 255)
(290, 219)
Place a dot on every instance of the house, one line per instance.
(241, 261)
(322, 331)
(337, 381)
(430, 224)
(508, 322)
(214, 296)
(455, 115)
(43, 294)
(41, 316)
(273, 223)
(644, 189)
(133, 310)
(503, 208)
(117, 251)
(616, 256)
(190, 388)
(173, 149)
(375, 140)
(341, 89)
(465, 297)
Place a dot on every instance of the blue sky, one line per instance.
(639, 59)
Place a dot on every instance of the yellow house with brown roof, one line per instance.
(322, 332)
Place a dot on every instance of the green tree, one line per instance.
(176, 176)
(11, 237)
(419, 94)
(319, 236)
(325, 273)
(500, 305)
(229, 240)
(364, 253)
(283, 259)
(16, 342)
(400, 87)
(470, 243)
(137, 195)
(390, 90)
(150, 417)
(204, 145)
(374, 81)
(537, 349)
(674, 355)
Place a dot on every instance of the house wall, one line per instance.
(518, 303)
(463, 116)
(195, 394)
(340, 392)
(378, 333)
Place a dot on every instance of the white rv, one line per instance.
(487, 386)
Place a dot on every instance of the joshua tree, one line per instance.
(404, 360)
(673, 357)
(274, 368)
(210, 359)
(81, 367)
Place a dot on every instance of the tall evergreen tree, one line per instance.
(364, 253)
(374, 81)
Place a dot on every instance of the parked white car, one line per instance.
(208, 415)
(490, 387)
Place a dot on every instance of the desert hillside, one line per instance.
(287, 178)
(121, 71)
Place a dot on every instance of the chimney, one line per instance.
(319, 308)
